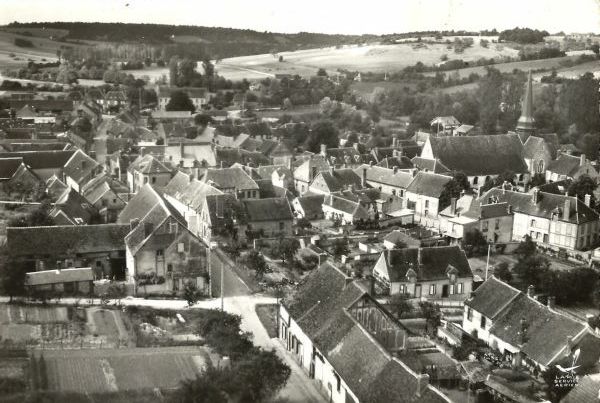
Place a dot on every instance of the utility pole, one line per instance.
(487, 263)
(210, 280)
(222, 287)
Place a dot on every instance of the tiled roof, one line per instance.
(230, 178)
(79, 166)
(547, 205)
(55, 187)
(587, 390)
(312, 205)
(337, 180)
(8, 167)
(146, 199)
(491, 297)
(385, 176)
(75, 207)
(565, 164)
(339, 203)
(428, 184)
(535, 148)
(59, 276)
(148, 164)
(394, 162)
(98, 186)
(189, 192)
(273, 209)
(224, 206)
(435, 263)
(42, 159)
(425, 164)
(43, 104)
(229, 156)
(304, 171)
(66, 239)
(480, 155)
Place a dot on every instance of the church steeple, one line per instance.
(526, 123)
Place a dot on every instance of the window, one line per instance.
(153, 179)
(426, 203)
(402, 289)
(484, 226)
(452, 288)
(338, 381)
(469, 314)
(180, 247)
(432, 289)
(401, 193)
(104, 202)
(497, 224)
(460, 288)
(281, 226)
(483, 320)
(159, 252)
(475, 180)
(394, 192)
(532, 223)
(172, 227)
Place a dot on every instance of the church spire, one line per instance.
(526, 123)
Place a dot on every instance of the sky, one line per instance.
(326, 16)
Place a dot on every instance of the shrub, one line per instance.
(23, 43)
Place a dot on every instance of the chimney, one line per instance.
(399, 154)
(371, 280)
(395, 170)
(348, 280)
(582, 160)
(530, 291)
(133, 223)
(422, 382)
(535, 197)
(394, 141)
(324, 150)
(363, 179)
(588, 200)
(551, 301)
(331, 170)
(148, 228)
(569, 345)
(567, 209)
(504, 187)
(453, 206)
(355, 145)
(142, 151)
(182, 149)
(371, 163)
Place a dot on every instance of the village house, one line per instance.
(114, 101)
(526, 331)
(350, 207)
(444, 126)
(347, 157)
(70, 281)
(480, 158)
(570, 167)
(43, 163)
(433, 273)
(268, 217)
(494, 221)
(335, 180)
(79, 170)
(147, 169)
(423, 197)
(428, 165)
(71, 208)
(232, 180)
(307, 171)
(554, 220)
(108, 195)
(198, 96)
(349, 345)
(162, 255)
(222, 215)
(101, 247)
(187, 194)
(389, 181)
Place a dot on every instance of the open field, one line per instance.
(375, 58)
(98, 371)
(43, 48)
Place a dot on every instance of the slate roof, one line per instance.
(428, 184)
(337, 180)
(343, 155)
(435, 263)
(59, 276)
(565, 164)
(75, 207)
(79, 166)
(148, 164)
(41, 159)
(229, 156)
(492, 297)
(391, 162)
(425, 164)
(345, 205)
(146, 199)
(385, 176)
(534, 148)
(189, 192)
(312, 205)
(230, 178)
(273, 209)
(55, 187)
(547, 205)
(8, 167)
(266, 171)
(319, 308)
(224, 206)
(480, 155)
(98, 186)
(66, 239)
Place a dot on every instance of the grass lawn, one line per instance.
(267, 313)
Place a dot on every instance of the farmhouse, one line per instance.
(423, 197)
(232, 180)
(79, 170)
(107, 195)
(309, 206)
(334, 180)
(348, 343)
(434, 273)
(570, 167)
(529, 332)
(269, 217)
(147, 169)
(71, 208)
(307, 171)
(43, 163)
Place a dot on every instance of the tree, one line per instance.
(203, 389)
(37, 218)
(400, 305)
(531, 270)
(537, 180)
(173, 71)
(191, 293)
(474, 243)
(503, 273)
(322, 132)
(340, 247)
(222, 332)
(431, 313)
(454, 188)
(203, 120)
(180, 101)
(589, 144)
(584, 185)
(526, 248)
(288, 248)
(260, 375)
(489, 95)
(254, 260)
(13, 277)
(321, 72)
(578, 103)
